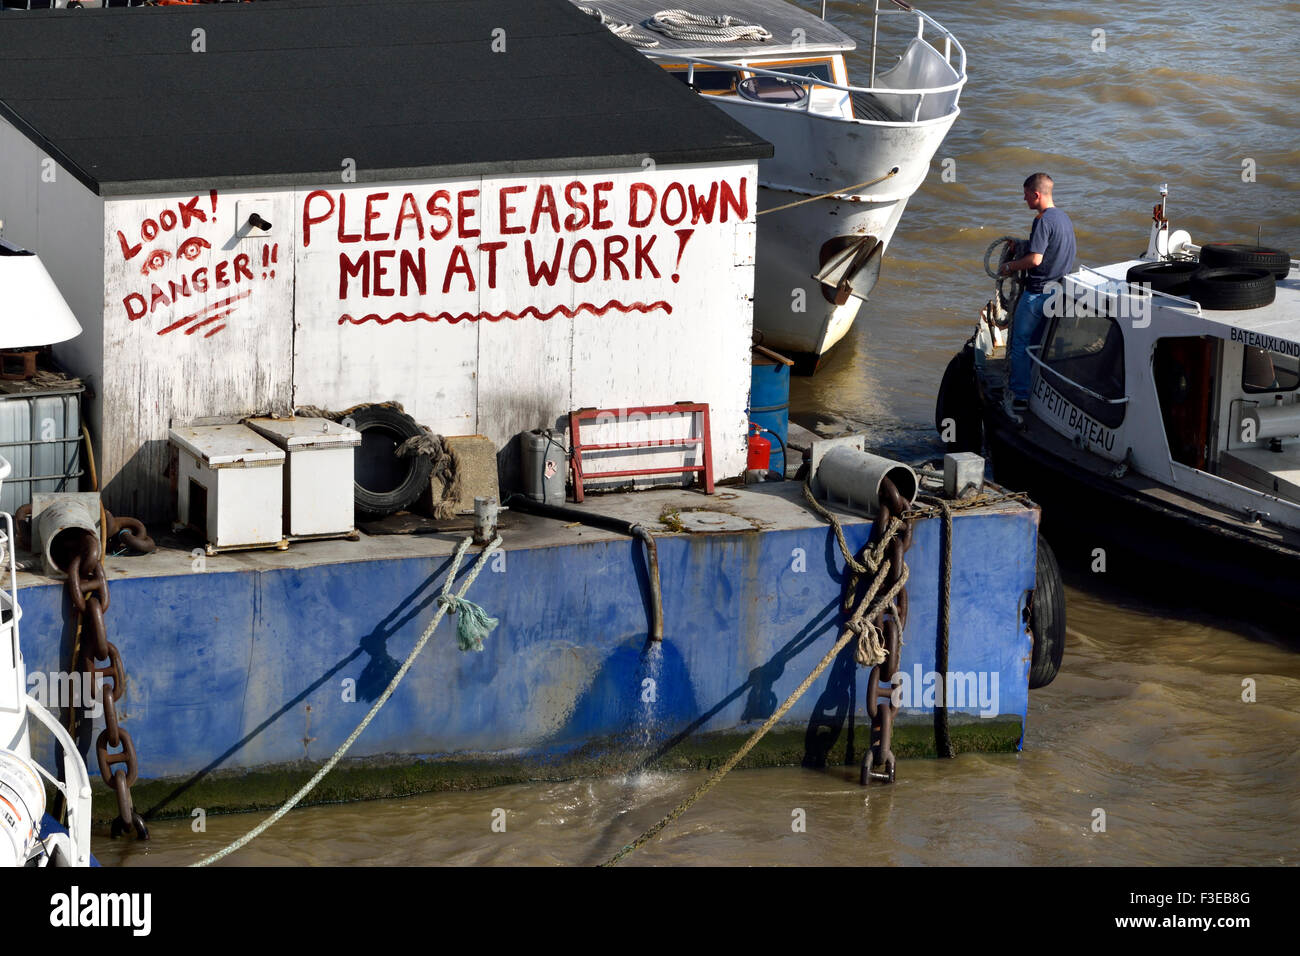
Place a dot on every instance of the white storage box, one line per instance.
(230, 486)
(318, 474)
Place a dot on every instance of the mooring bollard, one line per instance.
(485, 520)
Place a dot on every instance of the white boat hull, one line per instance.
(816, 155)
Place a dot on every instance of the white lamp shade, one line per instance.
(32, 310)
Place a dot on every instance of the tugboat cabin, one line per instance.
(1203, 400)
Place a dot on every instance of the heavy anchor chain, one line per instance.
(87, 588)
(879, 762)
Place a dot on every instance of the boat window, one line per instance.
(772, 89)
(1087, 350)
(818, 69)
(710, 81)
(1264, 370)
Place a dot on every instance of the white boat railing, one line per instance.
(75, 786)
(922, 18)
(810, 82)
(1112, 283)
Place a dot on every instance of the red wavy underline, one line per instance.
(498, 316)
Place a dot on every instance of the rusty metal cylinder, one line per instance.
(853, 478)
(61, 529)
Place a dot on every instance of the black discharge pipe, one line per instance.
(521, 502)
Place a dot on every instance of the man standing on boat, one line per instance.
(1050, 257)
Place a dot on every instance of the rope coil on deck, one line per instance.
(683, 25)
(624, 31)
(446, 602)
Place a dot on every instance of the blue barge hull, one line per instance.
(268, 659)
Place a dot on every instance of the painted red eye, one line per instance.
(192, 246)
(157, 259)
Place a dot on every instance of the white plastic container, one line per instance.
(230, 486)
(40, 434)
(22, 805)
(318, 473)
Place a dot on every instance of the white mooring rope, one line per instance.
(445, 601)
(682, 25)
(625, 31)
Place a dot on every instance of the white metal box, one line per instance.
(318, 473)
(229, 486)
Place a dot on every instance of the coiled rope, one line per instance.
(1002, 306)
(682, 25)
(446, 601)
(624, 31)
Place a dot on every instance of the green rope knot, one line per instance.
(472, 622)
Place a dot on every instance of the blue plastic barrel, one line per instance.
(769, 403)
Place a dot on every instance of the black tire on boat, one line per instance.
(1234, 255)
(1047, 619)
(1172, 277)
(958, 399)
(1233, 288)
(385, 483)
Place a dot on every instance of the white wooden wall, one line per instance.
(484, 360)
(508, 355)
(226, 349)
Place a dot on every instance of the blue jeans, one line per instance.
(1026, 328)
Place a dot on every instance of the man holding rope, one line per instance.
(1050, 257)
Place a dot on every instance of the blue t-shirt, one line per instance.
(1053, 237)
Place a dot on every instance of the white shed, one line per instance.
(492, 212)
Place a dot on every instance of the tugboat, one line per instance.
(29, 836)
(847, 157)
(1163, 428)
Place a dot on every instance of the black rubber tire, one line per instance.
(1233, 288)
(1047, 619)
(387, 427)
(1173, 277)
(1234, 255)
(959, 400)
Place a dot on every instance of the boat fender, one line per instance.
(1046, 618)
(957, 406)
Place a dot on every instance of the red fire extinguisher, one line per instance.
(760, 450)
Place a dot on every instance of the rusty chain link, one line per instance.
(879, 762)
(129, 535)
(87, 589)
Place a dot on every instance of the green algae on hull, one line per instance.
(267, 788)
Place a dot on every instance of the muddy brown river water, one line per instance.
(1146, 722)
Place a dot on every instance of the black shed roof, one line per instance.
(286, 91)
